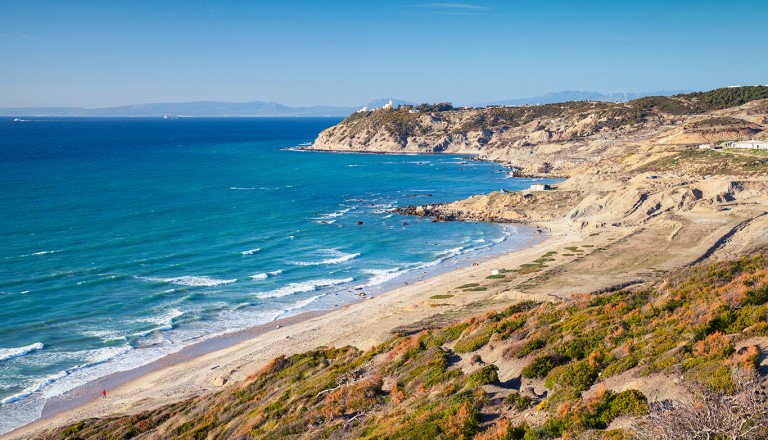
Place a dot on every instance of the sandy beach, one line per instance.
(219, 362)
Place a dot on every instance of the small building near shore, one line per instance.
(540, 187)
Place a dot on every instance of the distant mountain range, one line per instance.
(189, 109)
(265, 109)
(572, 95)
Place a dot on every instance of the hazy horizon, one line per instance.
(302, 54)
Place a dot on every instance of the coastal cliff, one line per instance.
(555, 139)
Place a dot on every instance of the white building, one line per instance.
(388, 105)
(540, 187)
(754, 145)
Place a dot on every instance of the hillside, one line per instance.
(558, 139)
(530, 370)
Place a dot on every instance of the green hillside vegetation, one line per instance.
(413, 386)
(402, 123)
(727, 97)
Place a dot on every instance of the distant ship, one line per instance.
(170, 117)
(17, 120)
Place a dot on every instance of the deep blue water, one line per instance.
(125, 239)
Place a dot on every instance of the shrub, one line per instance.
(518, 402)
(610, 406)
(453, 332)
(473, 341)
(539, 367)
(576, 348)
(486, 375)
(531, 346)
(577, 375)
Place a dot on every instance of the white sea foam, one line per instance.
(10, 353)
(96, 357)
(337, 258)
(241, 188)
(194, 281)
(166, 321)
(265, 275)
(334, 214)
(448, 253)
(381, 208)
(37, 254)
(250, 251)
(381, 276)
(297, 306)
(306, 286)
(105, 335)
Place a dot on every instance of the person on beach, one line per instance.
(104, 394)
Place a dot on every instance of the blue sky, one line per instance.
(104, 53)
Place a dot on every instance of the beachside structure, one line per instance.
(540, 187)
(754, 145)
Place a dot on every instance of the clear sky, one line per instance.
(115, 52)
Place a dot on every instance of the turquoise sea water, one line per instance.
(126, 239)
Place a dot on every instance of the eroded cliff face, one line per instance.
(550, 140)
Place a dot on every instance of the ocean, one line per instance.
(124, 240)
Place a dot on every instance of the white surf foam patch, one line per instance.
(10, 353)
(381, 276)
(105, 335)
(250, 251)
(194, 281)
(166, 321)
(448, 253)
(242, 188)
(337, 257)
(38, 254)
(382, 208)
(334, 214)
(97, 357)
(306, 286)
(265, 275)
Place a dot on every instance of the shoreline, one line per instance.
(228, 359)
(79, 396)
